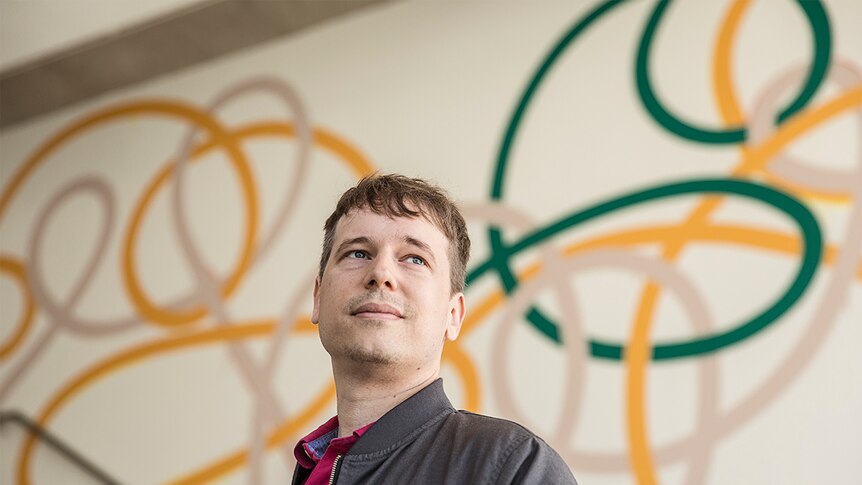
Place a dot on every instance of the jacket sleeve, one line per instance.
(532, 461)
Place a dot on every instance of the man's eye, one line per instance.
(357, 254)
(416, 260)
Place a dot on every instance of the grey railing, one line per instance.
(58, 445)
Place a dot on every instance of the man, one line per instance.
(389, 293)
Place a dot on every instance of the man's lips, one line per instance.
(377, 311)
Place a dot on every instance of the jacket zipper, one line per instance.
(334, 470)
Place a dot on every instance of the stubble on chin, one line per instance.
(358, 349)
(373, 357)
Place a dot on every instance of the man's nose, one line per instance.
(381, 274)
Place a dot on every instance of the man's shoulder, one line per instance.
(478, 431)
(490, 426)
(510, 452)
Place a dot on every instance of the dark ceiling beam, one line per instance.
(153, 48)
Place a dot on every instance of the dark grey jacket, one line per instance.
(425, 441)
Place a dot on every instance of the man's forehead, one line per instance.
(385, 225)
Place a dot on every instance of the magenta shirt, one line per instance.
(317, 451)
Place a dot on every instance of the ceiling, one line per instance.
(54, 54)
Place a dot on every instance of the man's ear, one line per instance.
(457, 311)
(315, 311)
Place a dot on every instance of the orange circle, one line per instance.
(355, 160)
(350, 156)
(16, 269)
(142, 303)
(175, 109)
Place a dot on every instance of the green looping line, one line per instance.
(547, 63)
(817, 19)
(810, 230)
(500, 253)
(495, 238)
(822, 34)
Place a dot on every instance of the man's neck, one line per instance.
(365, 398)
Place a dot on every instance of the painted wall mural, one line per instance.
(665, 283)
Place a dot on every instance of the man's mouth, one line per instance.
(377, 311)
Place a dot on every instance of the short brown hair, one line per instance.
(399, 196)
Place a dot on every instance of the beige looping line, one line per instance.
(501, 215)
(555, 266)
(844, 73)
(268, 409)
(712, 426)
(691, 300)
(61, 314)
(819, 327)
(498, 214)
(839, 284)
(289, 317)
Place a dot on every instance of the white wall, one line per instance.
(427, 89)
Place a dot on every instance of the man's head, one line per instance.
(389, 291)
(400, 196)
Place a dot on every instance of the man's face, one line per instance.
(385, 296)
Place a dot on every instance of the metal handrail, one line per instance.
(58, 445)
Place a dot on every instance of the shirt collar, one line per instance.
(311, 448)
(305, 451)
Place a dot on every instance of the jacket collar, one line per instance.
(405, 419)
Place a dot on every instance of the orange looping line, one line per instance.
(16, 269)
(177, 317)
(358, 164)
(164, 108)
(171, 317)
(753, 159)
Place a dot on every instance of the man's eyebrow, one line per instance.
(351, 242)
(421, 245)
